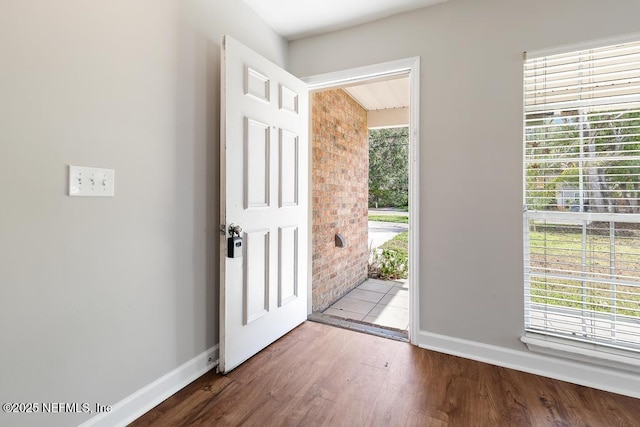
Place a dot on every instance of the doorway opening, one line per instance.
(346, 107)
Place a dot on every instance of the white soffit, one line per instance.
(381, 95)
(294, 19)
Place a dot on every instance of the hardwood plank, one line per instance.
(318, 375)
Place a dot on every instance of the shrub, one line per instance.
(388, 264)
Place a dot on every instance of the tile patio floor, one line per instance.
(379, 302)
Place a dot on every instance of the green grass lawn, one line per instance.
(580, 288)
(390, 218)
(399, 243)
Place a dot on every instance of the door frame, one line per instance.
(370, 73)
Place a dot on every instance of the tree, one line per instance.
(612, 144)
(389, 167)
(597, 151)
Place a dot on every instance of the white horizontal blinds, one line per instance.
(582, 195)
(582, 280)
(609, 75)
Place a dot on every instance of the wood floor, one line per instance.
(319, 375)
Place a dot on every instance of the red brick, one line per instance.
(340, 195)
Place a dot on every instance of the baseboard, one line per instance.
(140, 402)
(612, 380)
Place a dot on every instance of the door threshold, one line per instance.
(360, 326)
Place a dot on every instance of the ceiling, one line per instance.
(294, 19)
(381, 95)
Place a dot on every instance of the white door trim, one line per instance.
(343, 78)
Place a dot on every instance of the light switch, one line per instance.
(97, 182)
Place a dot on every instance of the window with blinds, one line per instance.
(582, 195)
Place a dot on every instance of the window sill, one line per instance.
(583, 352)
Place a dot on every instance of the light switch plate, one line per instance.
(97, 182)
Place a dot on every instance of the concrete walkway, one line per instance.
(380, 232)
(378, 302)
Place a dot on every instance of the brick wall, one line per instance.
(339, 195)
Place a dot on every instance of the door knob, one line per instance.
(234, 230)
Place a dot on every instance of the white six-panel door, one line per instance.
(264, 183)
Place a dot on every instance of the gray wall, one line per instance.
(101, 296)
(471, 283)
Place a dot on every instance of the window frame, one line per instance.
(584, 350)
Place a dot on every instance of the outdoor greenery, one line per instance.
(594, 155)
(389, 167)
(548, 249)
(601, 148)
(403, 219)
(399, 243)
(391, 260)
